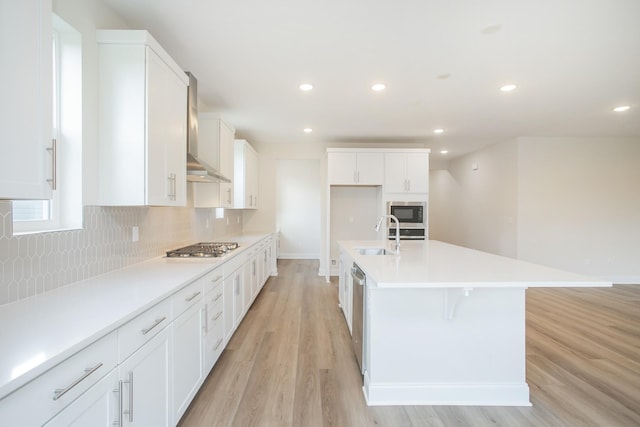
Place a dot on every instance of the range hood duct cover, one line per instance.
(197, 170)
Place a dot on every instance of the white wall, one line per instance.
(477, 208)
(298, 207)
(579, 205)
(570, 203)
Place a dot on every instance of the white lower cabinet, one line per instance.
(145, 384)
(213, 314)
(97, 407)
(232, 301)
(345, 288)
(213, 327)
(146, 373)
(248, 284)
(188, 362)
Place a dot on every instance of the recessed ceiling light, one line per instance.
(306, 87)
(438, 130)
(378, 87)
(444, 151)
(307, 130)
(622, 108)
(508, 88)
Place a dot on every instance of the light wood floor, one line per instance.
(290, 364)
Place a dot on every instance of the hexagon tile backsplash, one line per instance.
(33, 264)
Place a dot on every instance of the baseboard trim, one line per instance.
(625, 280)
(446, 394)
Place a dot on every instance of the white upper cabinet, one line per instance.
(406, 172)
(355, 168)
(227, 136)
(215, 147)
(245, 183)
(143, 122)
(26, 102)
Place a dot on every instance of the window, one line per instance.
(64, 209)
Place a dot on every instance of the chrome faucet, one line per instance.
(397, 229)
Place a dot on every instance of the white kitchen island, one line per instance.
(443, 324)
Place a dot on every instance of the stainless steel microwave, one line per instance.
(409, 214)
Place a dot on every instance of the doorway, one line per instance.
(298, 208)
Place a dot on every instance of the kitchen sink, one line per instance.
(373, 251)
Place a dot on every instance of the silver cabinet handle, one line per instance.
(59, 392)
(218, 315)
(54, 164)
(156, 323)
(217, 344)
(217, 297)
(229, 196)
(189, 299)
(129, 411)
(217, 278)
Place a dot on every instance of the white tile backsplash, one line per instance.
(32, 264)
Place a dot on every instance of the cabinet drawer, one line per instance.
(212, 280)
(186, 297)
(213, 310)
(51, 392)
(138, 331)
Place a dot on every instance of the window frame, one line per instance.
(65, 205)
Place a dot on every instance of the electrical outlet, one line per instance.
(135, 234)
(333, 262)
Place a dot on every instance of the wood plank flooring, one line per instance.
(290, 364)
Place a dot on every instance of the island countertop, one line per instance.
(435, 264)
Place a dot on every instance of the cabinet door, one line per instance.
(187, 359)
(245, 175)
(97, 407)
(166, 134)
(395, 179)
(25, 104)
(229, 305)
(226, 164)
(248, 284)
(370, 169)
(342, 168)
(418, 173)
(251, 178)
(146, 384)
(238, 291)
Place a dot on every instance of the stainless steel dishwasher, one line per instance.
(359, 281)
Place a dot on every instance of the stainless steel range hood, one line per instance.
(197, 170)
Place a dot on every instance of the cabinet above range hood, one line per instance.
(197, 170)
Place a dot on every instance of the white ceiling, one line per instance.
(573, 61)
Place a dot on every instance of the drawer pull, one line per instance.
(157, 322)
(216, 279)
(217, 344)
(217, 316)
(59, 392)
(189, 299)
(217, 297)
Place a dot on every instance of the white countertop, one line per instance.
(39, 332)
(435, 264)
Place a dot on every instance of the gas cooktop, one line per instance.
(203, 250)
